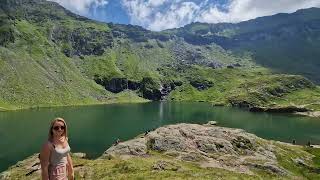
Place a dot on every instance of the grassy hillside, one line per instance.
(35, 72)
(286, 43)
(244, 87)
(51, 57)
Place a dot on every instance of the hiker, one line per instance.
(146, 133)
(309, 144)
(55, 159)
(117, 142)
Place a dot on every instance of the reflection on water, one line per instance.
(93, 129)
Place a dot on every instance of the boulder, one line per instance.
(201, 84)
(212, 123)
(80, 155)
(269, 167)
(215, 65)
(165, 165)
(132, 147)
(280, 109)
(210, 146)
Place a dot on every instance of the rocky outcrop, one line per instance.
(215, 65)
(285, 109)
(149, 88)
(167, 88)
(235, 65)
(241, 103)
(6, 33)
(173, 149)
(117, 85)
(201, 84)
(153, 89)
(271, 109)
(315, 114)
(208, 145)
(81, 41)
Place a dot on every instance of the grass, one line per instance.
(149, 167)
(287, 155)
(316, 153)
(257, 86)
(309, 98)
(140, 168)
(38, 75)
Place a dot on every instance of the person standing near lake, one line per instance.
(55, 159)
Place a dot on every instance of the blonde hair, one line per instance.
(65, 133)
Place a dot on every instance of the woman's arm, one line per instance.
(70, 168)
(44, 161)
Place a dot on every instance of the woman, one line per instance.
(56, 163)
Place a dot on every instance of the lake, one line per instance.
(92, 129)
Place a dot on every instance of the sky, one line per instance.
(159, 15)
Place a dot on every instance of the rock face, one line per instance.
(287, 109)
(201, 85)
(211, 146)
(81, 41)
(132, 147)
(117, 85)
(148, 87)
(215, 65)
(6, 35)
(315, 114)
(276, 109)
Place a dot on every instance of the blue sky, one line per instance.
(165, 14)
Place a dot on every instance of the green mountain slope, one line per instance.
(287, 43)
(50, 56)
(34, 71)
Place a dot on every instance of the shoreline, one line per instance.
(293, 110)
(175, 148)
(2, 109)
(315, 114)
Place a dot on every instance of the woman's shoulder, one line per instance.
(47, 145)
(67, 142)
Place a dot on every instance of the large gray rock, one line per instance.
(132, 147)
(211, 146)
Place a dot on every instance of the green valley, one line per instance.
(52, 57)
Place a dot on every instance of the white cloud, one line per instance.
(176, 16)
(240, 10)
(164, 14)
(81, 6)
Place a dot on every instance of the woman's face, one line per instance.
(58, 128)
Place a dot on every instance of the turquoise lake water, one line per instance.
(92, 129)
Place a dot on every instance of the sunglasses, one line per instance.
(56, 128)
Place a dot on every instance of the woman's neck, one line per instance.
(59, 139)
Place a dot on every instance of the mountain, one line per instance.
(52, 57)
(286, 43)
